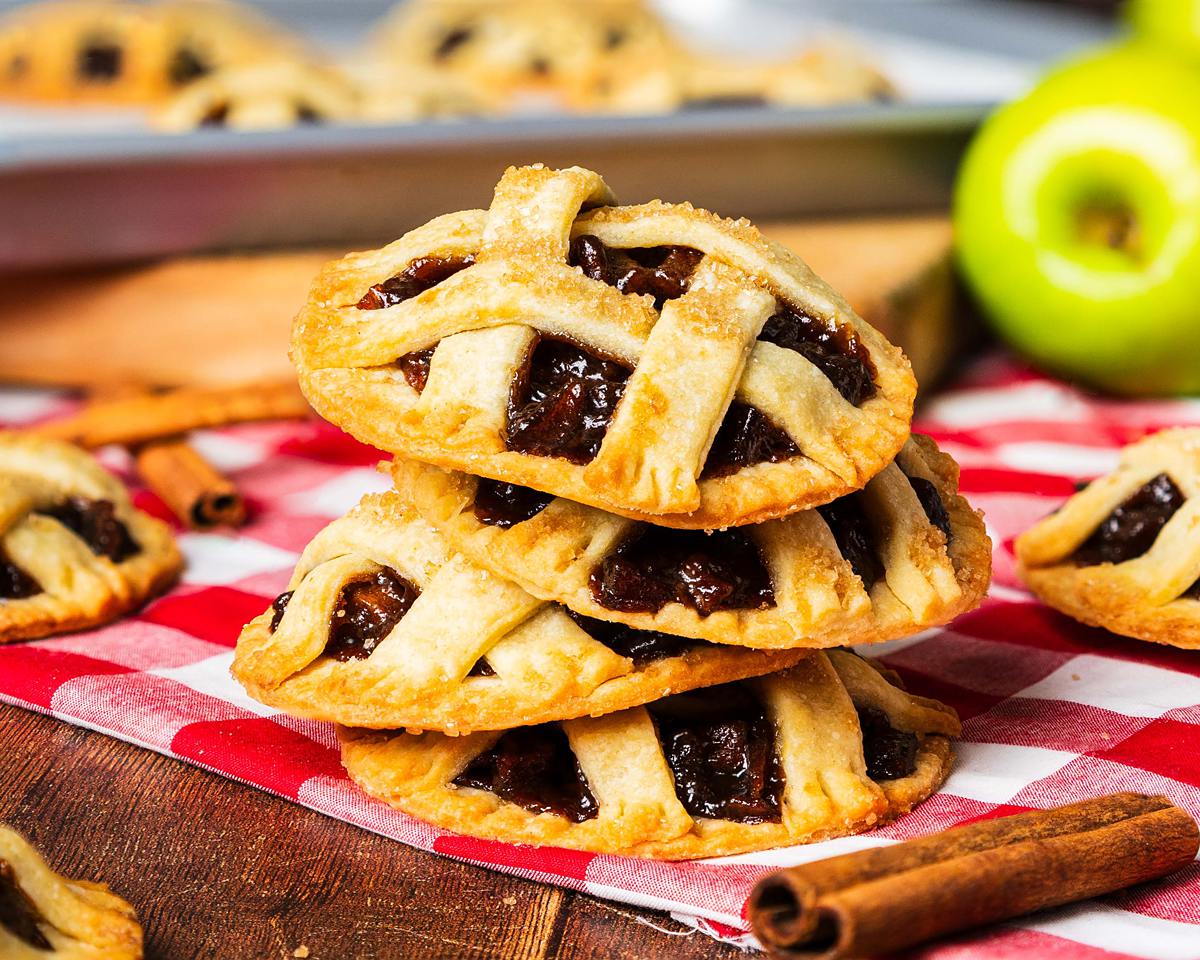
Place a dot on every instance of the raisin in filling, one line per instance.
(278, 608)
(662, 272)
(534, 768)
(366, 611)
(95, 523)
(747, 436)
(186, 66)
(706, 571)
(422, 274)
(18, 914)
(504, 505)
(451, 41)
(481, 669)
(832, 348)
(890, 753)
(99, 62)
(720, 746)
(932, 504)
(1131, 529)
(415, 367)
(562, 400)
(640, 646)
(15, 583)
(848, 523)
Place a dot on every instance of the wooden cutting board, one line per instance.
(225, 319)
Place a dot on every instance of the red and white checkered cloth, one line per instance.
(1053, 711)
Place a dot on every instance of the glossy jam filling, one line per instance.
(481, 669)
(1131, 529)
(366, 611)
(534, 768)
(504, 505)
(422, 274)
(99, 62)
(720, 746)
(932, 504)
(833, 348)
(562, 401)
(278, 608)
(18, 914)
(662, 272)
(415, 367)
(640, 646)
(186, 66)
(747, 436)
(848, 523)
(890, 753)
(15, 583)
(705, 571)
(95, 523)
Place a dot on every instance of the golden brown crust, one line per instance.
(1148, 597)
(79, 588)
(484, 319)
(547, 666)
(80, 920)
(820, 601)
(826, 793)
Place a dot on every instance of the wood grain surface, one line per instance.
(216, 869)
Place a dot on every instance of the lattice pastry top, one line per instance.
(383, 626)
(74, 552)
(653, 359)
(44, 916)
(116, 51)
(827, 748)
(1123, 552)
(905, 553)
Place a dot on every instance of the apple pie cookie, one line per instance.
(1123, 553)
(44, 915)
(648, 360)
(74, 552)
(827, 748)
(905, 553)
(383, 626)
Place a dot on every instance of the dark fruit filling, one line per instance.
(186, 66)
(216, 117)
(451, 41)
(415, 367)
(1193, 592)
(534, 768)
(15, 583)
(562, 400)
(747, 436)
(18, 914)
(306, 113)
(422, 274)
(706, 571)
(640, 646)
(367, 611)
(504, 505)
(848, 523)
(662, 272)
(932, 504)
(833, 348)
(1131, 529)
(95, 523)
(279, 608)
(890, 753)
(720, 746)
(99, 62)
(482, 669)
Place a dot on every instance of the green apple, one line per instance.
(1077, 219)
(1171, 23)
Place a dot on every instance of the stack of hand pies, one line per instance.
(652, 479)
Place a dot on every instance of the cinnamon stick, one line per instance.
(197, 493)
(134, 420)
(884, 899)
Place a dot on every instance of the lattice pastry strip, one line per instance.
(74, 552)
(905, 553)
(1123, 552)
(384, 626)
(48, 917)
(826, 748)
(659, 360)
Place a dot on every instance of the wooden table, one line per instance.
(217, 869)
